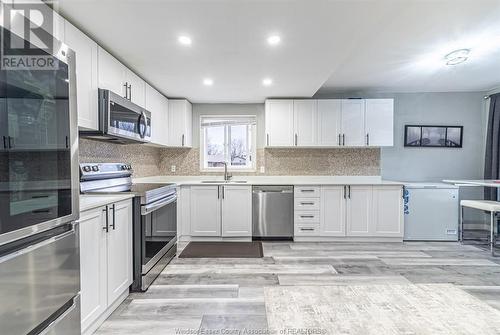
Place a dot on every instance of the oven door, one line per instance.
(38, 147)
(124, 119)
(159, 223)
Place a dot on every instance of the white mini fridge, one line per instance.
(431, 212)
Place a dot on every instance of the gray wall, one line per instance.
(434, 164)
(228, 109)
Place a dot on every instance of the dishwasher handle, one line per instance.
(286, 189)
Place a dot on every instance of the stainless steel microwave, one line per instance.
(120, 120)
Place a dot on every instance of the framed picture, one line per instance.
(433, 136)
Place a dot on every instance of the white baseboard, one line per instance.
(347, 239)
(91, 329)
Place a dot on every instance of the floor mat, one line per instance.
(222, 250)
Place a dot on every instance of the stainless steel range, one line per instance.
(155, 216)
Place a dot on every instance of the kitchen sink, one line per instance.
(223, 181)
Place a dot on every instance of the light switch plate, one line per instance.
(172, 168)
(262, 169)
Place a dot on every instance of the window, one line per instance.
(228, 139)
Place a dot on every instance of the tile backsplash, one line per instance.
(144, 159)
(150, 161)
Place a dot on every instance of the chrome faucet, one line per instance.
(227, 177)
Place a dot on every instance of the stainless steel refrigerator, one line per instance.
(39, 248)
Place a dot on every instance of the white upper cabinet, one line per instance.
(86, 76)
(180, 119)
(112, 73)
(353, 122)
(157, 104)
(305, 116)
(329, 122)
(279, 123)
(379, 122)
(236, 211)
(136, 88)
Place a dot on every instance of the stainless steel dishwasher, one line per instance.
(272, 212)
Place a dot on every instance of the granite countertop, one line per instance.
(89, 201)
(271, 180)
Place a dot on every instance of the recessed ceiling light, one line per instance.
(185, 40)
(273, 40)
(267, 82)
(457, 56)
(208, 82)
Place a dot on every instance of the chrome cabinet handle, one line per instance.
(307, 216)
(307, 203)
(182, 140)
(222, 187)
(130, 92)
(343, 139)
(296, 139)
(349, 196)
(307, 229)
(306, 190)
(218, 192)
(367, 139)
(267, 137)
(340, 139)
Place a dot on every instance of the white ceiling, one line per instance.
(382, 45)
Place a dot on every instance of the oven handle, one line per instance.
(147, 209)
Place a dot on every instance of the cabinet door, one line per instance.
(305, 116)
(86, 76)
(332, 211)
(137, 89)
(157, 104)
(387, 211)
(379, 122)
(112, 73)
(329, 122)
(93, 265)
(236, 211)
(205, 211)
(359, 210)
(119, 249)
(279, 123)
(353, 122)
(179, 123)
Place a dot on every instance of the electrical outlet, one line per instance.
(172, 168)
(262, 169)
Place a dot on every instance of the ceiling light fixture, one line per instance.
(457, 56)
(267, 82)
(208, 82)
(273, 40)
(185, 40)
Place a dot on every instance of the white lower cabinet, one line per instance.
(105, 259)
(357, 211)
(332, 211)
(221, 211)
(205, 211)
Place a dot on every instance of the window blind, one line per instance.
(217, 121)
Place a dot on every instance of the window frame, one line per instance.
(252, 130)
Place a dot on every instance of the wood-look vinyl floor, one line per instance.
(227, 296)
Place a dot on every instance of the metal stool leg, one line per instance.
(461, 236)
(492, 233)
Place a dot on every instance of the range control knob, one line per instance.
(95, 168)
(129, 167)
(86, 168)
(123, 167)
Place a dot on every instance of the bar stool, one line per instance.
(485, 205)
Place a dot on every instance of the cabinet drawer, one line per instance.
(307, 229)
(307, 217)
(307, 191)
(302, 204)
